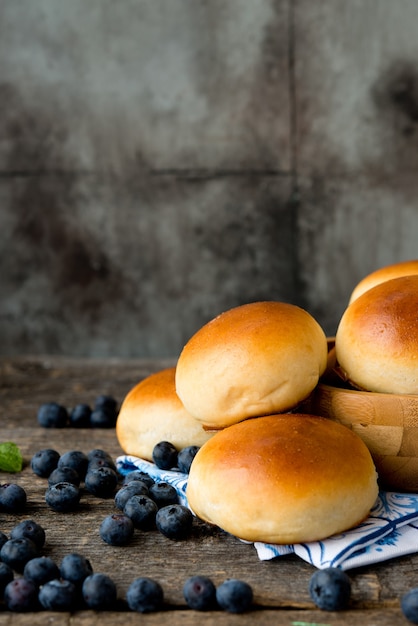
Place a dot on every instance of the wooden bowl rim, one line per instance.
(368, 394)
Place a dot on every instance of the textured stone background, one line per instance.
(164, 160)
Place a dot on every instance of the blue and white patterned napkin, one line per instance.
(391, 530)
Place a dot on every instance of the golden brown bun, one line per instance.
(255, 359)
(377, 338)
(283, 479)
(152, 412)
(396, 270)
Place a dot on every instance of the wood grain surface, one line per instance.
(280, 586)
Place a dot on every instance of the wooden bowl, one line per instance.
(387, 423)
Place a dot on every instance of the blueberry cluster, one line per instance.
(233, 595)
(145, 505)
(166, 456)
(67, 473)
(103, 414)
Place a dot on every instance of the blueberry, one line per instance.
(200, 593)
(17, 552)
(75, 568)
(174, 521)
(185, 458)
(52, 415)
(164, 455)
(21, 595)
(99, 592)
(409, 605)
(31, 530)
(3, 538)
(12, 498)
(330, 589)
(142, 511)
(64, 475)
(58, 595)
(40, 570)
(234, 596)
(116, 529)
(44, 462)
(138, 475)
(80, 416)
(134, 488)
(145, 595)
(98, 453)
(95, 463)
(106, 402)
(62, 497)
(101, 482)
(163, 494)
(75, 459)
(102, 418)
(6, 576)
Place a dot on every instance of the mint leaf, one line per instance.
(10, 457)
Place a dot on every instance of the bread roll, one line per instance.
(377, 338)
(283, 479)
(253, 360)
(396, 270)
(152, 412)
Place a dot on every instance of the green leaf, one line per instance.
(10, 457)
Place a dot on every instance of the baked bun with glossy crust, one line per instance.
(152, 412)
(376, 342)
(396, 270)
(283, 479)
(255, 359)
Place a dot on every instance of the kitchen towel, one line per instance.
(391, 530)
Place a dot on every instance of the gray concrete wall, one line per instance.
(164, 160)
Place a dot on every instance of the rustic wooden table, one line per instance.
(280, 586)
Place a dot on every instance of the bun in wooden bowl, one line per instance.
(386, 422)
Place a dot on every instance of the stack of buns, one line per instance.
(266, 471)
(376, 343)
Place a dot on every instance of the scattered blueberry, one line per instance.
(17, 552)
(164, 455)
(234, 596)
(98, 453)
(12, 498)
(95, 463)
(40, 570)
(185, 458)
(138, 475)
(31, 530)
(409, 605)
(106, 402)
(64, 475)
(145, 595)
(134, 488)
(3, 538)
(80, 416)
(142, 510)
(52, 415)
(116, 529)
(101, 417)
(44, 462)
(76, 460)
(58, 595)
(330, 589)
(199, 593)
(101, 482)
(99, 592)
(6, 576)
(163, 494)
(21, 595)
(62, 497)
(174, 521)
(75, 568)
